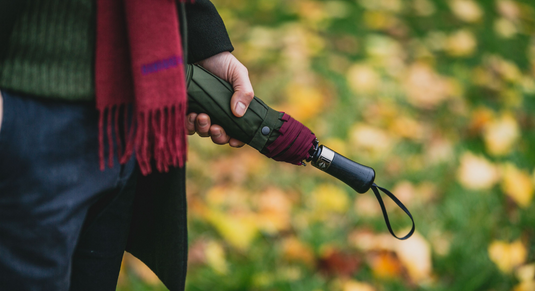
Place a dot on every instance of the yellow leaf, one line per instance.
(237, 229)
(295, 250)
(368, 241)
(362, 78)
(273, 210)
(415, 254)
(311, 11)
(425, 88)
(337, 145)
(504, 28)
(385, 265)
(441, 242)
(439, 150)
(507, 255)
(525, 286)
(370, 139)
(378, 19)
(215, 257)
(517, 185)
(476, 173)
(466, 10)
(407, 127)
(353, 285)
(526, 273)
(366, 206)
(481, 116)
(263, 279)
(461, 43)
(508, 9)
(330, 198)
(500, 135)
(304, 102)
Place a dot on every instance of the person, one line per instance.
(65, 223)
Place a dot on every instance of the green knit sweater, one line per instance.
(51, 51)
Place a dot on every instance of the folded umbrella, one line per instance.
(278, 136)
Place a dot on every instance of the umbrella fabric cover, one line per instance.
(275, 134)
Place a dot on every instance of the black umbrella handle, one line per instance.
(359, 177)
(355, 175)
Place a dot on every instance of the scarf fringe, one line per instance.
(156, 134)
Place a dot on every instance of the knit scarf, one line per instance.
(140, 81)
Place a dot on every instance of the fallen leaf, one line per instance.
(370, 139)
(517, 185)
(330, 198)
(501, 134)
(466, 10)
(385, 265)
(362, 78)
(480, 118)
(477, 173)
(334, 262)
(375, 19)
(273, 210)
(425, 87)
(407, 127)
(353, 285)
(526, 273)
(507, 255)
(508, 9)
(304, 101)
(366, 206)
(525, 286)
(461, 43)
(238, 229)
(366, 240)
(215, 257)
(295, 250)
(415, 254)
(505, 28)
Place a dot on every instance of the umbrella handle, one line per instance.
(355, 175)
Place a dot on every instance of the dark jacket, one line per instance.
(158, 231)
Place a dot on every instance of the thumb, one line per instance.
(243, 90)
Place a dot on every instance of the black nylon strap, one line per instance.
(385, 215)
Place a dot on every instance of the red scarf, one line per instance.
(139, 61)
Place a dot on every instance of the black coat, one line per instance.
(158, 231)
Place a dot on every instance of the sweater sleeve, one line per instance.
(9, 12)
(207, 35)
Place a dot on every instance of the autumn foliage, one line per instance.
(437, 96)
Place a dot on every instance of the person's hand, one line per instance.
(227, 67)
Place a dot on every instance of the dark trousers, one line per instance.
(63, 222)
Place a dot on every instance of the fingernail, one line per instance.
(191, 118)
(240, 108)
(203, 122)
(217, 133)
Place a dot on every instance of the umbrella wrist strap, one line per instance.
(385, 214)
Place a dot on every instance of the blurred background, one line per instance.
(437, 96)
